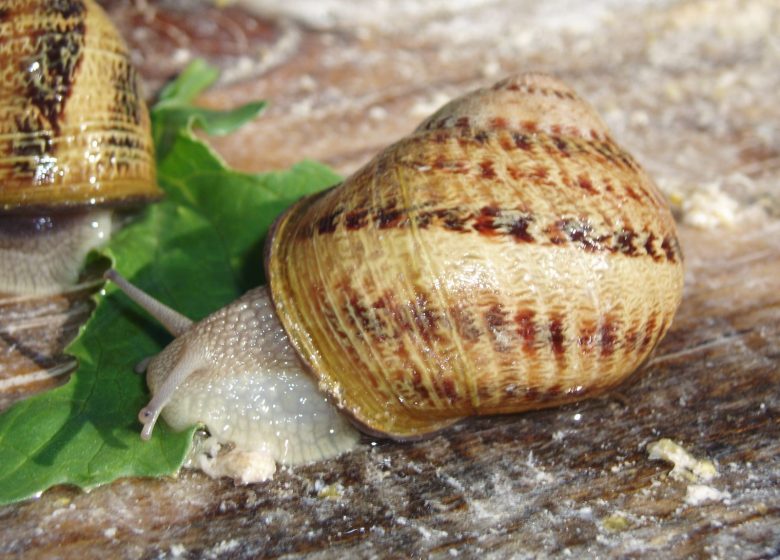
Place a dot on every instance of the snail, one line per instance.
(505, 256)
(75, 140)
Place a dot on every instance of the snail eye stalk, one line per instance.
(173, 321)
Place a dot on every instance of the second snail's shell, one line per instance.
(74, 131)
(505, 256)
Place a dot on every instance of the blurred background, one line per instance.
(676, 81)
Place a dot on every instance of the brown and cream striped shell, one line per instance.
(507, 255)
(74, 130)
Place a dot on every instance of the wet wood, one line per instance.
(699, 112)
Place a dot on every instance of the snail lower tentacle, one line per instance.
(189, 362)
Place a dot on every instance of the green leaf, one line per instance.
(193, 176)
(174, 112)
(195, 251)
(189, 84)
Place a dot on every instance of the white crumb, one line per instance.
(216, 460)
(686, 466)
(110, 533)
(697, 494)
(708, 207)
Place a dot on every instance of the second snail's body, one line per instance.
(506, 256)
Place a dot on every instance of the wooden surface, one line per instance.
(691, 88)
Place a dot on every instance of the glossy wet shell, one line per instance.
(74, 130)
(506, 256)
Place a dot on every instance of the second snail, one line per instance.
(75, 141)
(505, 256)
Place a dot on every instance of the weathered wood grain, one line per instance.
(691, 88)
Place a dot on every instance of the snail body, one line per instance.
(505, 256)
(75, 139)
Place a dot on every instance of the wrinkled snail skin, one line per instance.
(505, 256)
(75, 139)
(236, 373)
(245, 382)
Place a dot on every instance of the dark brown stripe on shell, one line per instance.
(650, 331)
(510, 330)
(52, 69)
(448, 385)
(525, 135)
(487, 169)
(587, 339)
(465, 323)
(632, 338)
(557, 337)
(127, 96)
(424, 315)
(327, 224)
(518, 229)
(625, 241)
(485, 222)
(586, 184)
(671, 249)
(496, 321)
(522, 141)
(356, 220)
(491, 221)
(609, 336)
(562, 145)
(650, 247)
(526, 329)
(50, 73)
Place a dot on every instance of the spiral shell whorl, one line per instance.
(74, 130)
(506, 256)
(533, 102)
